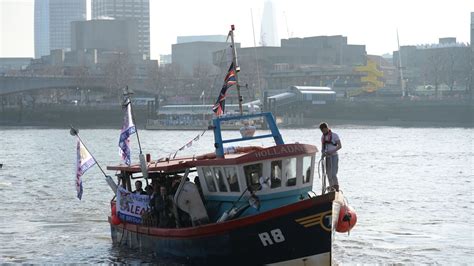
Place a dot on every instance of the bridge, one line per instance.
(18, 84)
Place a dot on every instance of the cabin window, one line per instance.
(275, 174)
(252, 174)
(290, 171)
(232, 179)
(306, 169)
(211, 186)
(220, 179)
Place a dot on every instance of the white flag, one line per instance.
(84, 162)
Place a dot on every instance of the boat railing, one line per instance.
(268, 119)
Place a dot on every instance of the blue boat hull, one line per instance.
(300, 232)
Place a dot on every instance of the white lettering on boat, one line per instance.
(275, 236)
(279, 150)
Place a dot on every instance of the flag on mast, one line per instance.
(229, 80)
(84, 162)
(128, 129)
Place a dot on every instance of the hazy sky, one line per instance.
(370, 22)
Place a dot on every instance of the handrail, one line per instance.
(218, 141)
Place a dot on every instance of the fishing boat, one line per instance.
(237, 205)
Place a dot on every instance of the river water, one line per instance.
(411, 188)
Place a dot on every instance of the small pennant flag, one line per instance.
(189, 144)
(84, 162)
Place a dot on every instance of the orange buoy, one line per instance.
(114, 210)
(347, 219)
(115, 220)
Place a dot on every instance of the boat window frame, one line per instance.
(216, 170)
(271, 172)
(236, 173)
(311, 169)
(256, 186)
(206, 180)
(285, 178)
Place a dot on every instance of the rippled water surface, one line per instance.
(411, 188)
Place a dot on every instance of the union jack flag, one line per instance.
(229, 80)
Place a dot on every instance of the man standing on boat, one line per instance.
(138, 188)
(330, 145)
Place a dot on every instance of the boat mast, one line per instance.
(236, 68)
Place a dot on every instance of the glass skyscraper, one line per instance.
(138, 10)
(269, 33)
(53, 23)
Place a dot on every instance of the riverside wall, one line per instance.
(357, 113)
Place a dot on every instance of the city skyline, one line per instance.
(138, 10)
(365, 22)
(269, 32)
(51, 24)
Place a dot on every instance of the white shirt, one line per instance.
(265, 182)
(330, 147)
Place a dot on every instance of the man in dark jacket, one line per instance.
(162, 208)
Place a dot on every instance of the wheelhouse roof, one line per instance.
(251, 155)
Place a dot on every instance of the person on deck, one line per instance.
(149, 190)
(331, 143)
(163, 207)
(175, 184)
(199, 188)
(138, 188)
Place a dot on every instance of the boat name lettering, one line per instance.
(278, 151)
(275, 236)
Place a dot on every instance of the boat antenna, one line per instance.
(75, 132)
(236, 68)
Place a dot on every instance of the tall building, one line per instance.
(53, 23)
(190, 56)
(41, 28)
(325, 50)
(443, 63)
(105, 35)
(471, 85)
(269, 32)
(472, 31)
(138, 10)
